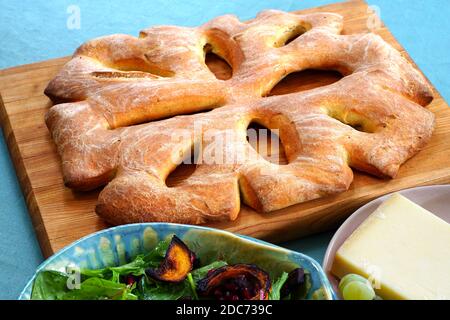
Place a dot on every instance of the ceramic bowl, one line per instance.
(118, 245)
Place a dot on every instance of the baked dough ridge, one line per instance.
(123, 116)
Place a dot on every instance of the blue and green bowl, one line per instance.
(118, 245)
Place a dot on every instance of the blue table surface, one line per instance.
(31, 31)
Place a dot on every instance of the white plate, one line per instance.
(436, 199)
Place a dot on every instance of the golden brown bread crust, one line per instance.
(114, 84)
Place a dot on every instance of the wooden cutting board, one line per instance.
(61, 216)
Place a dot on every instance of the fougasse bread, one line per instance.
(121, 100)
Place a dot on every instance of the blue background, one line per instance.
(36, 30)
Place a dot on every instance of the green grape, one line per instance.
(357, 290)
(349, 278)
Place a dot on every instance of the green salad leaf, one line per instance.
(98, 283)
(156, 290)
(99, 289)
(192, 285)
(49, 285)
(136, 267)
(154, 257)
(274, 294)
(200, 273)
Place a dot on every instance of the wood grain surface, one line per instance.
(61, 216)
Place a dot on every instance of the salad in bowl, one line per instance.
(162, 261)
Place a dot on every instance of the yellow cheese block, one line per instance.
(403, 249)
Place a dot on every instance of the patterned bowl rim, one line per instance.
(245, 239)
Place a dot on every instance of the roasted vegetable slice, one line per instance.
(177, 263)
(236, 282)
(297, 284)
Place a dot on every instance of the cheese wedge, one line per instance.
(403, 249)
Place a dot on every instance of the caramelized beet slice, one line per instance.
(177, 263)
(236, 282)
(294, 283)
